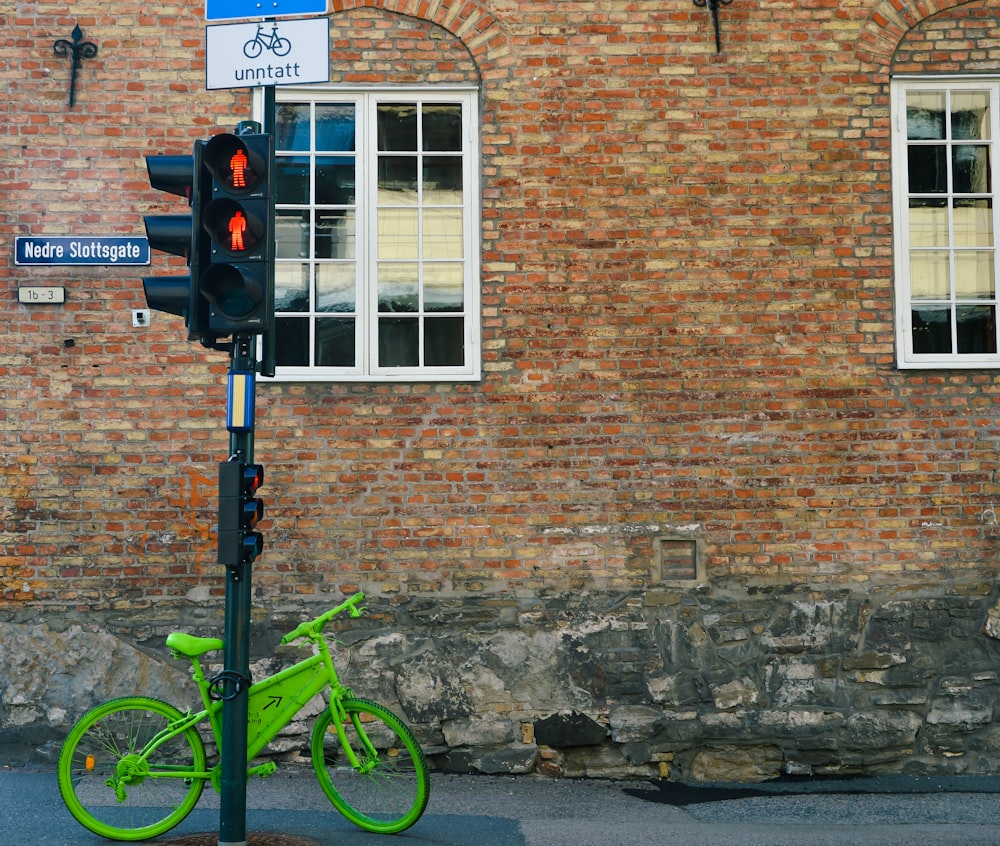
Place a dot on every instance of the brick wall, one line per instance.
(687, 311)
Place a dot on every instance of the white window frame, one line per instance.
(366, 367)
(906, 358)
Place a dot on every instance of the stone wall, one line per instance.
(707, 685)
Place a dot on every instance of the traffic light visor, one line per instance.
(169, 233)
(170, 294)
(173, 174)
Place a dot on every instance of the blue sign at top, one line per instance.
(231, 10)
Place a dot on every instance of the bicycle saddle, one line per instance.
(191, 646)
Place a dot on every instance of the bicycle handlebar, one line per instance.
(311, 628)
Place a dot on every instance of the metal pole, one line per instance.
(236, 654)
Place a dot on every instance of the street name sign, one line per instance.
(230, 10)
(249, 55)
(82, 250)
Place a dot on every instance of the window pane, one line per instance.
(335, 342)
(977, 329)
(925, 115)
(970, 115)
(974, 274)
(334, 181)
(929, 275)
(335, 289)
(398, 287)
(972, 169)
(291, 180)
(928, 222)
(442, 233)
(398, 342)
(291, 341)
(442, 126)
(932, 330)
(336, 235)
(397, 180)
(335, 127)
(292, 126)
(444, 343)
(397, 233)
(291, 234)
(397, 126)
(443, 286)
(442, 180)
(973, 222)
(291, 286)
(927, 169)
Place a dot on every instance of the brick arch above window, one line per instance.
(370, 46)
(468, 20)
(890, 21)
(960, 40)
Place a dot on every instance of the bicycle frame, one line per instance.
(273, 703)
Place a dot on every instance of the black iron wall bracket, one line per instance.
(713, 10)
(79, 50)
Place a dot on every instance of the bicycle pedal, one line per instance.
(264, 770)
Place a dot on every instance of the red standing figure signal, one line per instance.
(238, 165)
(237, 226)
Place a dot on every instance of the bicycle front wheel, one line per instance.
(114, 790)
(388, 790)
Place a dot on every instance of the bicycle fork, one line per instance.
(367, 760)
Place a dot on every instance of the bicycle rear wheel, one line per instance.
(390, 789)
(113, 791)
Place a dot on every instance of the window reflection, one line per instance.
(416, 285)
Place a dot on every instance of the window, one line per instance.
(376, 235)
(945, 196)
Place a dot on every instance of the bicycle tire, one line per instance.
(253, 48)
(281, 46)
(391, 792)
(103, 745)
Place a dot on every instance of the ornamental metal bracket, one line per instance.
(80, 50)
(713, 9)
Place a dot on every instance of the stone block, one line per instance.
(737, 764)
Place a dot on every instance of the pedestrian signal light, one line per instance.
(237, 276)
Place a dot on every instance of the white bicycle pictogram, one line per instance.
(261, 41)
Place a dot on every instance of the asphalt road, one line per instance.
(494, 811)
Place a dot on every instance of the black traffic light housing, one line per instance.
(239, 513)
(236, 272)
(179, 235)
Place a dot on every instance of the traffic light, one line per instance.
(239, 513)
(179, 235)
(236, 275)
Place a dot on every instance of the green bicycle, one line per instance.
(133, 768)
